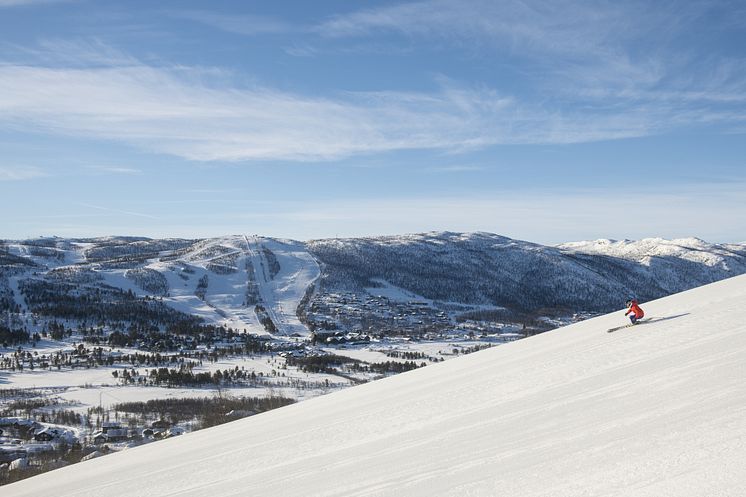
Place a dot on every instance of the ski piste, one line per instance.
(630, 325)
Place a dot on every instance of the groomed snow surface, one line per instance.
(655, 410)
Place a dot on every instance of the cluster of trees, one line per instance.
(273, 265)
(102, 305)
(264, 318)
(387, 367)
(57, 330)
(410, 355)
(202, 284)
(184, 376)
(184, 336)
(339, 365)
(8, 302)
(224, 265)
(47, 253)
(150, 280)
(252, 289)
(22, 406)
(12, 264)
(10, 337)
(208, 249)
(31, 404)
(74, 274)
(209, 411)
(320, 363)
(78, 357)
(303, 306)
(472, 349)
(61, 417)
(132, 248)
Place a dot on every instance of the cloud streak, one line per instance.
(170, 110)
(249, 25)
(130, 171)
(571, 51)
(20, 173)
(118, 211)
(90, 90)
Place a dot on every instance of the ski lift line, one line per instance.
(256, 254)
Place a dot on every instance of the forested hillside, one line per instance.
(487, 269)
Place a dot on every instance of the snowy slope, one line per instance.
(281, 292)
(645, 250)
(208, 278)
(655, 410)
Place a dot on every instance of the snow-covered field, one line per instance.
(78, 389)
(81, 388)
(654, 410)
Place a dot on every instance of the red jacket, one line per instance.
(634, 308)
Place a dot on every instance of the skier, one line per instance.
(634, 311)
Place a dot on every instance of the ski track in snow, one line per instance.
(652, 411)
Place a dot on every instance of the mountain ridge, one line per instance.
(527, 275)
(222, 279)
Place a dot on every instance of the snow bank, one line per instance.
(654, 410)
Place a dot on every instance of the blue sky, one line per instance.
(545, 121)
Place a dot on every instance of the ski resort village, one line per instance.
(110, 344)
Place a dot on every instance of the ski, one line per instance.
(641, 321)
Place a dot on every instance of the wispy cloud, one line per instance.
(201, 114)
(115, 170)
(19, 173)
(562, 27)
(250, 25)
(587, 52)
(301, 50)
(79, 53)
(456, 168)
(172, 110)
(118, 211)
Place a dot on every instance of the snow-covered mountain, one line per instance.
(653, 410)
(487, 269)
(220, 280)
(257, 284)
